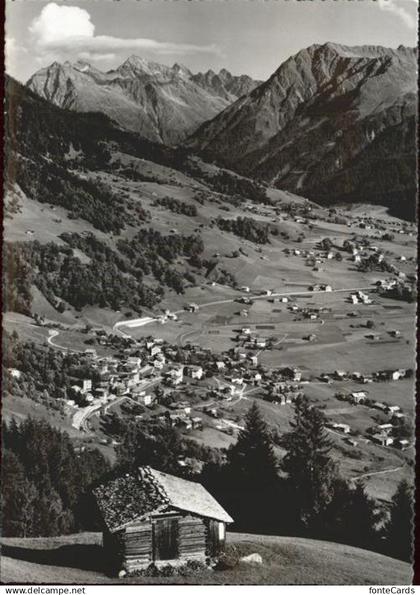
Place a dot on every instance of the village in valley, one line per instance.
(324, 310)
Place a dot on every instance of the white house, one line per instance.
(134, 362)
(192, 308)
(261, 343)
(146, 400)
(403, 444)
(345, 428)
(394, 409)
(359, 396)
(384, 428)
(195, 372)
(383, 439)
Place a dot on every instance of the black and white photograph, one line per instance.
(209, 293)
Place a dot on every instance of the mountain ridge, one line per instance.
(159, 102)
(307, 127)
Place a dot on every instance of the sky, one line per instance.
(244, 36)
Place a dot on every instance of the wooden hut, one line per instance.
(152, 517)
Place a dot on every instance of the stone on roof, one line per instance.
(137, 495)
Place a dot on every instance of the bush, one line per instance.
(190, 568)
(167, 570)
(227, 561)
(151, 570)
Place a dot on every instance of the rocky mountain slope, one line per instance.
(333, 123)
(161, 103)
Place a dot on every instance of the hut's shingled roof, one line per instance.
(133, 496)
(190, 496)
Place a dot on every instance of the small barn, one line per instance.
(153, 517)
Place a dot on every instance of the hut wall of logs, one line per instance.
(172, 538)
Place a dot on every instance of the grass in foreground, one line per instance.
(287, 561)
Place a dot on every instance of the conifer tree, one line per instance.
(250, 479)
(352, 516)
(19, 498)
(399, 529)
(311, 471)
(252, 456)
(160, 449)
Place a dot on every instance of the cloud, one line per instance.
(69, 29)
(106, 43)
(399, 9)
(59, 23)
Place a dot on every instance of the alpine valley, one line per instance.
(214, 277)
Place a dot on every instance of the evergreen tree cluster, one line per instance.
(159, 445)
(17, 275)
(60, 275)
(303, 493)
(83, 198)
(229, 183)
(177, 206)
(113, 279)
(245, 227)
(44, 481)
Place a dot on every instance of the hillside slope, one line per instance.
(161, 103)
(82, 173)
(333, 123)
(287, 561)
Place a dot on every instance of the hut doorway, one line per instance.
(165, 539)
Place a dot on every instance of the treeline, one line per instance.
(111, 279)
(17, 279)
(83, 198)
(374, 263)
(225, 181)
(247, 228)
(157, 444)
(60, 276)
(177, 206)
(152, 253)
(45, 482)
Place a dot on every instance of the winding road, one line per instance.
(81, 416)
(52, 335)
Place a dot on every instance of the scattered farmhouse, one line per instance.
(382, 439)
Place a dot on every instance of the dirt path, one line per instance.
(383, 472)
